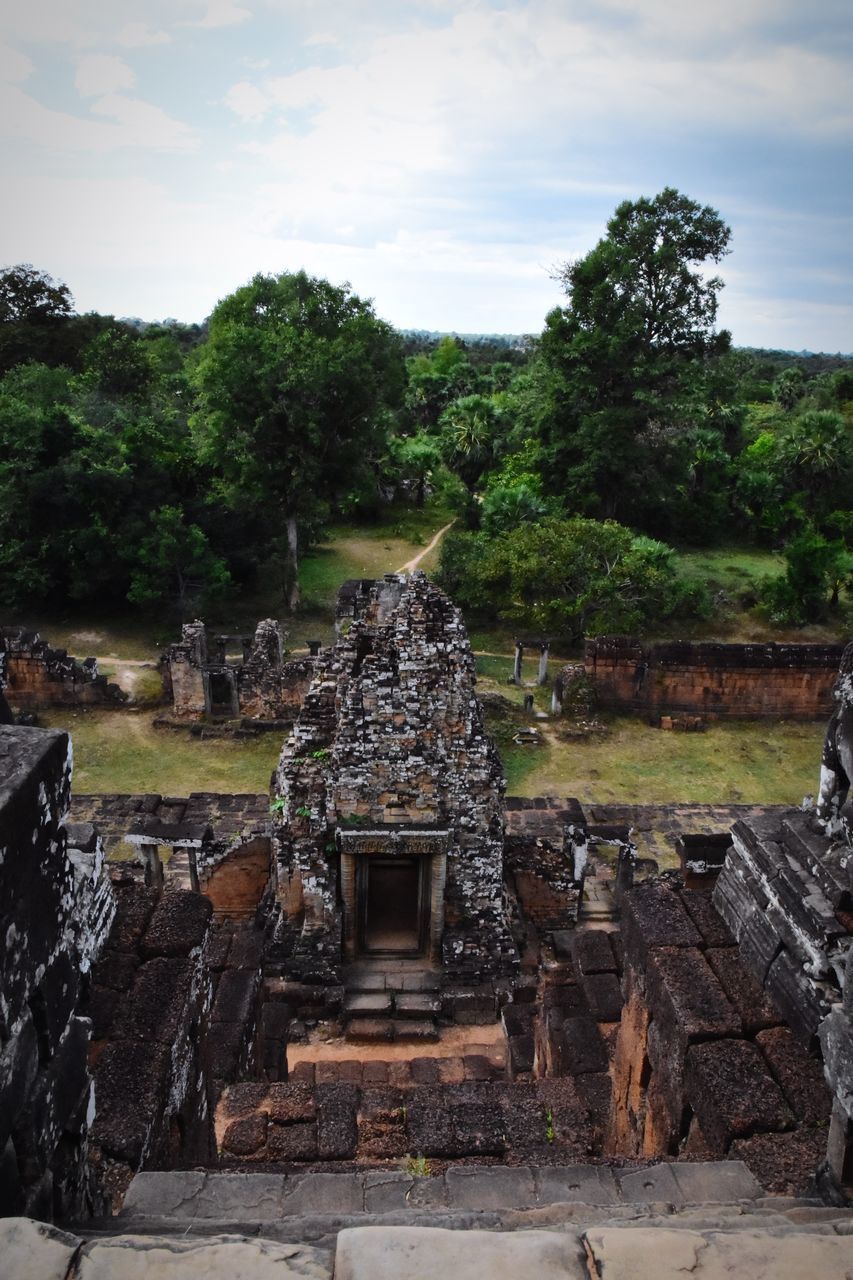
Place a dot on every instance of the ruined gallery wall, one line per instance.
(265, 686)
(712, 680)
(34, 675)
(56, 907)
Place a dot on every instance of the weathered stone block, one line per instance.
(730, 1089)
(592, 951)
(685, 997)
(604, 996)
(799, 1075)
(337, 1128)
(653, 916)
(178, 925)
(753, 1005)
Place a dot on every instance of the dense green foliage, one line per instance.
(568, 578)
(169, 463)
(292, 385)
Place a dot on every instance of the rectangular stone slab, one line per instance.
(656, 1253)
(413, 1253)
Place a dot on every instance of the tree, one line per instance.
(174, 561)
(628, 351)
(815, 569)
(33, 309)
(415, 458)
(568, 578)
(291, 386)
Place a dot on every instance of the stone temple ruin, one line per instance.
(390, 800)
(389, 996)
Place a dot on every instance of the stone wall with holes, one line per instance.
(34, 675)
(712, 680)
(56, 907)
(265, 686)
(705, 1067)
(391, 735)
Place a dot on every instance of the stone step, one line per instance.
(373, 1004)
(640, 1249)
(362, 980)
(417, 1004)
(387, 1030)
(259, 1197)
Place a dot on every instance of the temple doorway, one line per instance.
(392, 901)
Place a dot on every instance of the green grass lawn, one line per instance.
(746, 762)
(759, 763)
(121, 751)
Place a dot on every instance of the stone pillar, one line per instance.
(193, 864)
(438, 878)
(625, 870)
(542, 677)
(528, 704)
(349, 904)
(516, 671)
(150, 854)
(839, 1150)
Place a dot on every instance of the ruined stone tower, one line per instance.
(389, 799)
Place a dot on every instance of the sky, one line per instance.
(443, 157)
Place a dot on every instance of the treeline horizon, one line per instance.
(168, 464)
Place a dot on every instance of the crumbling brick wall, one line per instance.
(34, 675)
(712, 680)
(56, 906)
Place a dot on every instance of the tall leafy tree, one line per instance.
(292, 386)
(627, 353)
(33, 309)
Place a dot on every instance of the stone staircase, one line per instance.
(397, 1001)
(657, 1222)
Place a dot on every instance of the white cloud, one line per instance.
(221, 13)
(247, 101)
(136, 124)
(145, 125)
(102, 73)
(138, 35)
(14, 65)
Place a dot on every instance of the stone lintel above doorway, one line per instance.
(402, 842)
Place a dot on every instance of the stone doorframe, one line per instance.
(389, 843)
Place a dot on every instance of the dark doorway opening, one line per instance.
(391, 906)
(222, 694)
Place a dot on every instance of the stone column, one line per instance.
(516, 671)
(625, 863)
(349, 904)
(542, 677)
(438, 878)
(150, 854)
(193, 864)
(528, 704)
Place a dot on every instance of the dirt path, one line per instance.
(411, 565)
